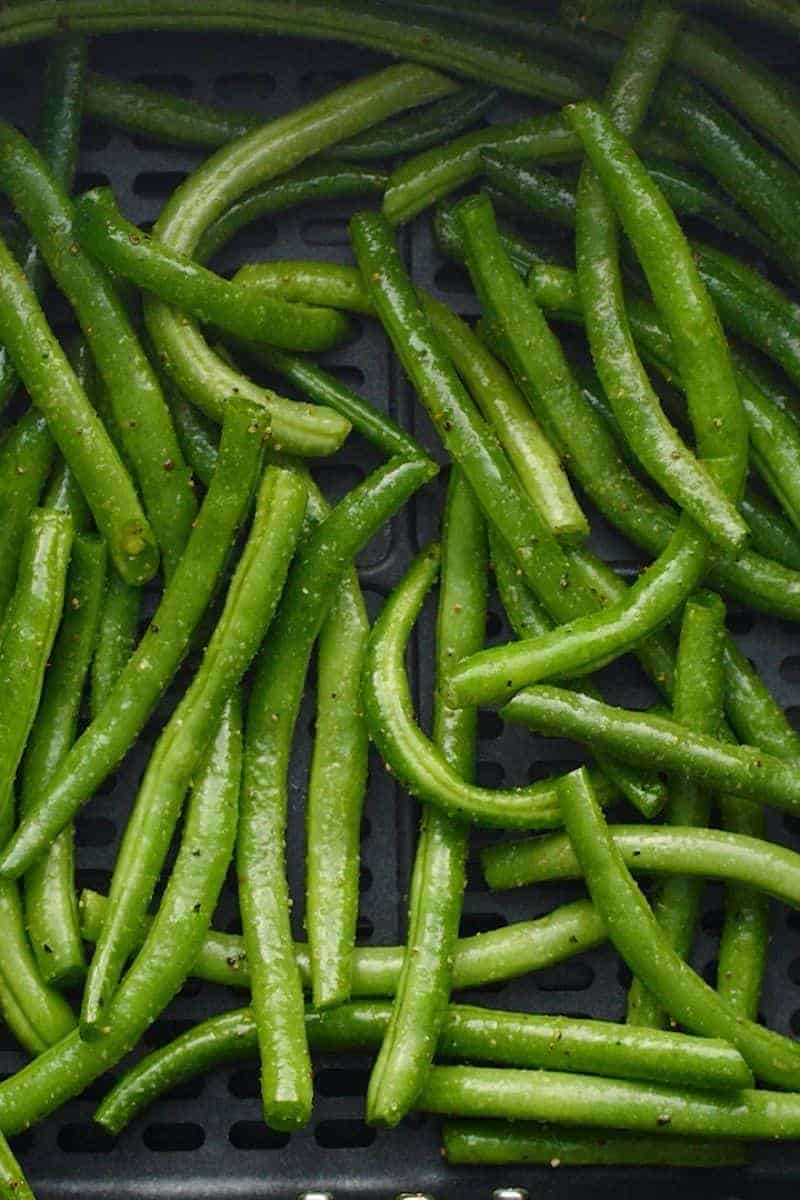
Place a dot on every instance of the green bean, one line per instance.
(158, 654)
(778, 13)
(762, 183)
(335, 800)
(197, 436)
(645, 791)
(337, 286)
(419, 130)
(116, 637)
(76, 429)
(58, 137)
(180, 281)
(438, 877)
(572, 1045)
(501, 403)
(771, 534)
(694, 195)
(414, 759)
(13, 1184)
(496, 1143)
(274, 703)
(384, 27)
(641, 942)
(148, 112)
(134, 395)
(648, 739)
(316, 180)
(250, 603)
(201, 375)
(32, 621)
(493, 957)
(51, 906)
(697, 703)
(586, 1100)
(26, 456)
(172, 942)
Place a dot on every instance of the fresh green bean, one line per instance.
(336, 788)
(417, 131)
(771, 534)
(76, 429)
(26, 456)
(252, 597)
(762, 183)
(182, 282)
(493, 957)
(414, 759)
(586, 1100)
(697, 703)
(134, 395)
(171, 945)
(116, 637)
(32, 622)
(501, 403)
(647, 739)
(316, 180)
(197, 436)
(51, 906)
(13, 1184)
(158, 654)
(337, 286)
(58, 137)
(274, 703)
(201, 375)
(438, 877)
(641, 942)
(385, 27)
(561, 1042)
(496, 1143)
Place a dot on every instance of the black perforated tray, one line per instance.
(208, 1140)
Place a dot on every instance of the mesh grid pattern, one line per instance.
(207, 1139)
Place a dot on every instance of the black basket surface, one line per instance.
(208, 1140)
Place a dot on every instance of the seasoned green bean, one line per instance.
(159, 652)
(26, 456)
(438, 877)
(116, 638)
(418, 130)
(13, 1185)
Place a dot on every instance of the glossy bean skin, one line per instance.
(26, 456)
(274, 703)
(697, 703)
(250, 603)
(51, 906)
(414, 759)
(134, 396)
(417, 131)
(201, 375)
(473, 1143)
(762, 183)
(171, 944)
(639, 939)
(493, 957)
(13, 1185)
(336, 788)
(36, 1013)
(438, 876)
(116, 638)
(641, 738)
(159, 652)
(570, 1044)
(180, 281)
(197, 435)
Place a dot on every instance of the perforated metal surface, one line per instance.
(208, 1139)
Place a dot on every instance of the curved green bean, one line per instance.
(559, 1042)
(170, 947)
(183, 283)
(493, 957)
(337, 285)
(414, 759)
(116, 638)
(697, 703)
(135, 398)
(639, 939)
(26, 456)
(159, 652)
(438, 877)
(13, 1184)
(335, 799)
(419, 130)
(319, 567)
(51, 906)
(251, 600)
(497, 1143)
(200, 374)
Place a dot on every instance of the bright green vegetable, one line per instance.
(26, 456)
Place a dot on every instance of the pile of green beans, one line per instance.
(143, 453)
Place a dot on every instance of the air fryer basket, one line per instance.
(207, 1139)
